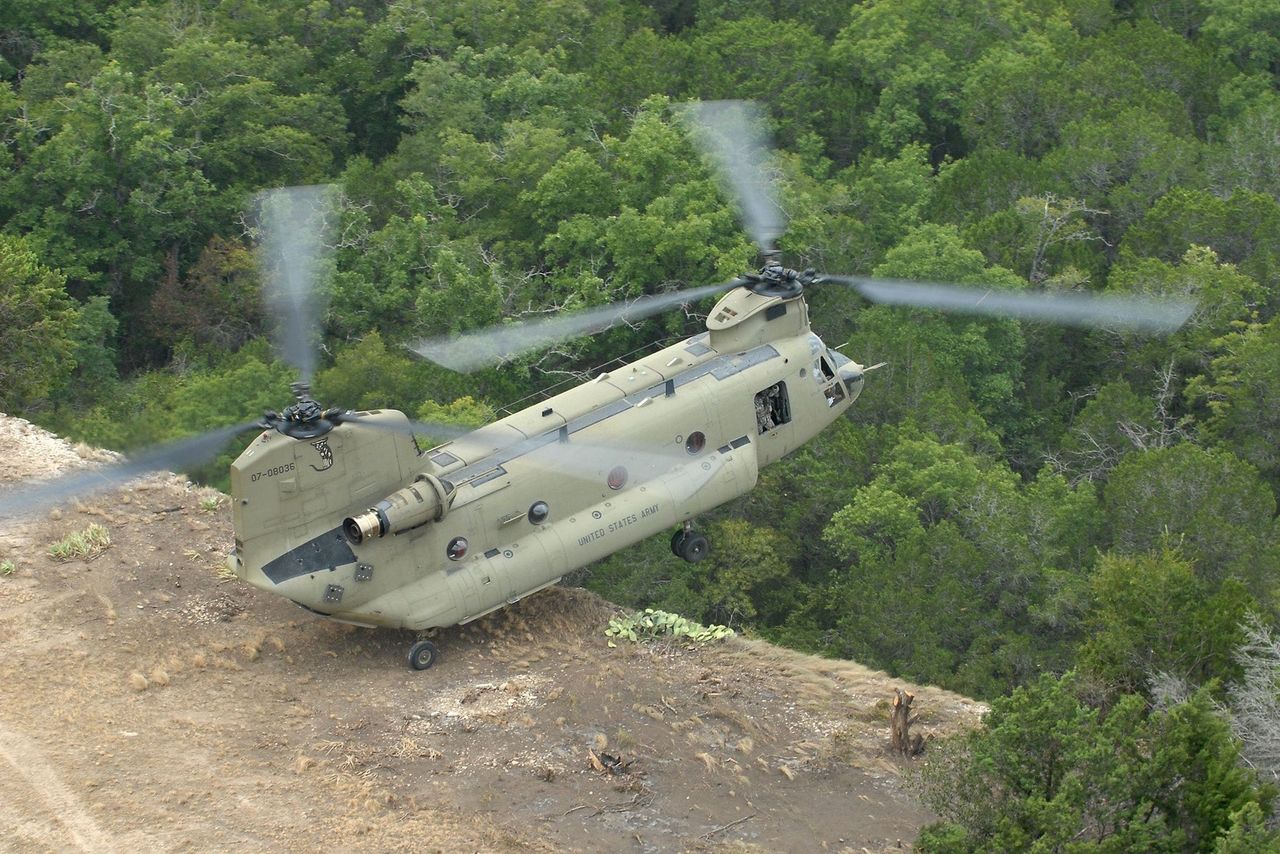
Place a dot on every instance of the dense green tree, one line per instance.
(28, 27)
(1246, 31)
(1222, 296)
(1243, 229)
(1048, 239)
(367, 375)
(644, 63)
(909, 56)
(1213, 504)
(988, 181)
(1123, 162)
(254, 125)
(884, 198)
(217, 303)
(1047, 772)
(779, 63)
(1243, 158)
(109, 189)
(1143, 64)
(411, 275)
(976, 360)
(477, 93)
(1015, 98)
(41, 326)
(798, 494)
(749, 578)
(1240, 392)
(1115, 421)
(992, 568)
(95, 376)
(1155, 615)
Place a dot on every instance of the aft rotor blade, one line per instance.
(294, 224)
(732, 135)
(172, 456)
(472, 350)
(1095, 311)
(432, 429)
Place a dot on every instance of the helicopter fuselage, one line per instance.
(359, 526)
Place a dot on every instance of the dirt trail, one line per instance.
(148, 703)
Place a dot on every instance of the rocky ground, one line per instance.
(149, 702)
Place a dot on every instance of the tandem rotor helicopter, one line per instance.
(342, 513)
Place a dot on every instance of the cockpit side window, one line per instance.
(822, 370)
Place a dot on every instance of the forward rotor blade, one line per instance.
(1094, 311)
(472, 350)
(732, 135)
(294, 224)
(172, 456)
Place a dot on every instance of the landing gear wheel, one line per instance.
(422, 655)
(677, 542)
(694, 546)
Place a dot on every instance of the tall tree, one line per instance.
(41, 324)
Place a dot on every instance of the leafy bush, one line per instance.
(650, 624)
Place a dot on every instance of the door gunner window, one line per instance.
(772, 407)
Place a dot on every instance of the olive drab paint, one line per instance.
(360, 526)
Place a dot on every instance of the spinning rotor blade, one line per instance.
(430, 429)
(732, 135)
(171, 456)
(471, 350)
(294, 224)
(578, 457)
(1094, 311)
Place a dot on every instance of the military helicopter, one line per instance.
(342, 512)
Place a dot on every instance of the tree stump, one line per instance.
(900, 722)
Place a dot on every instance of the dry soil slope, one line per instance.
(149, 703)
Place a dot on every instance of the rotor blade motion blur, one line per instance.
(294, 224)
(172, 456)
(473, 350)
(732, 136)
(1094, 311)
(434, 430)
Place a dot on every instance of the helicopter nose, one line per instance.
(852, 375)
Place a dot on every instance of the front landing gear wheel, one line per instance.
(422, 655)
(694, 547)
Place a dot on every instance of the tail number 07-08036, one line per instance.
(271, 472)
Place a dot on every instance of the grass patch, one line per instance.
(7, 567)
(93, 540)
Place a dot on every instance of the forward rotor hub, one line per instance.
(775, 280)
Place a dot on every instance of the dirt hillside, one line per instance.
(150, 703)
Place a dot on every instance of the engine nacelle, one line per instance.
(425, 500)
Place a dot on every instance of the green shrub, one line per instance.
(649, 624)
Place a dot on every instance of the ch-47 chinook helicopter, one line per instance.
(345, 515)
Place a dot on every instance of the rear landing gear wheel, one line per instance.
(422, 655)
(677, 542)
(694, 547)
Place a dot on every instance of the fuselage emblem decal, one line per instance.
(326, 454)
